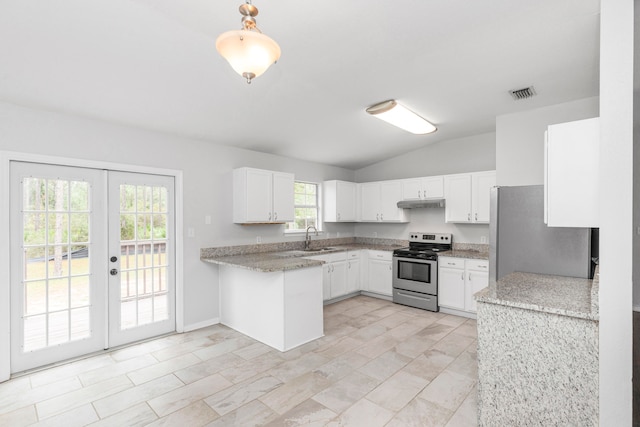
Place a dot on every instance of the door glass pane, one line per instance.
(143, 255)
(56, 276)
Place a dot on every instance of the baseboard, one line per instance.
(200, 325)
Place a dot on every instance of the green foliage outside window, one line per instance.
(305, 206)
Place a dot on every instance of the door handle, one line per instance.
(113, 272)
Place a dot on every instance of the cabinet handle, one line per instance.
(381, 218)
(469, 216)
(338, 215)
(389, 266)
(476, 216)
(469, 276)
(462, 276)
(419, 196)
(275, 216)
(269, 216)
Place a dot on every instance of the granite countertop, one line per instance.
(468, 254)
(566, 296)
(282, 258)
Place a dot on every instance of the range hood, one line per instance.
(415, 204)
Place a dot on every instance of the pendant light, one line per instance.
(249, 52)
(398, 115)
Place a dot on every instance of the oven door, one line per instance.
(416, 275)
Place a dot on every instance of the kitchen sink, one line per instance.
(303, 252)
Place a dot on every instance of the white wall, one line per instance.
(207, 182)
(616, 211)
(520, 139)
(471, 154)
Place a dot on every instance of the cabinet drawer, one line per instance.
(353, 254)
(451, 262)
(478, 265)
(382, 255)
(338, 256)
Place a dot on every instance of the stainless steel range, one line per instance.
(415, 270)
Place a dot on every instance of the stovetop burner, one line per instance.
(425, 246)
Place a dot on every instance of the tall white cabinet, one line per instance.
(262, 196)
(572, 153)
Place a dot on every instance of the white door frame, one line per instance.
(6, 157)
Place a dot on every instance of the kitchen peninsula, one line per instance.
(538, 350)
(274, 292)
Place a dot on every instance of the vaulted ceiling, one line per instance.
(153, 64)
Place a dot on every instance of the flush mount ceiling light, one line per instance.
(400, 116)
(249, 52)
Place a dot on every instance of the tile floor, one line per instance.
(379, 364)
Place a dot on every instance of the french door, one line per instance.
(91, 261)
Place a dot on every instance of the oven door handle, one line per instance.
(414, 297)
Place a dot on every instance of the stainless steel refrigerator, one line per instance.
(521, 241)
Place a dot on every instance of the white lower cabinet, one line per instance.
(353, 271)
(337, 273)
(458, 280)
(379, 273)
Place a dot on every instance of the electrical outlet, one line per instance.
(207, 219)
(258, 239)
(338, 234)
(191, 232)
(375, 234)
(483, 239)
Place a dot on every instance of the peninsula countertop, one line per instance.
(566, 296)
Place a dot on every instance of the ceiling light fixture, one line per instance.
(249, 52)
(400, 116)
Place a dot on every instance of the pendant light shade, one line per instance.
(249, 52)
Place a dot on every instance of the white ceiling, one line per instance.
(153, 64)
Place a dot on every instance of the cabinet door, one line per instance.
(259, 188)
(390, 195)
(353, 275)
(476, 281)
(481, 193)
(380, 277)
(571, 174)
(412, 189)
(326, 281)
(282, 197)
(345, 201)
(457, 191)
(433, 187)
(451, 288)
(370, 201)
(338, 278)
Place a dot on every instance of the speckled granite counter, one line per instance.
(468, 251)
(538, 351)
(289, 255)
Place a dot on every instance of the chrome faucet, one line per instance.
(307, 238)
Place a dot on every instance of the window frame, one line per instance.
(317, 206)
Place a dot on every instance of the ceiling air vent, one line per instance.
(525, 93)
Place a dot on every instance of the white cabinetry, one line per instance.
(379, 202)
(339, 199)
(353, 271)
(379, 274)
(261, 196)
(468, 197)
(431, 187)
(571, 174)
(334, 275)
(458, 280)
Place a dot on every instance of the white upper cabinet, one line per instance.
(431, 187)
(261, 196)
(339, 201)
(468, 197)
(571, 174)
(379, 202)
